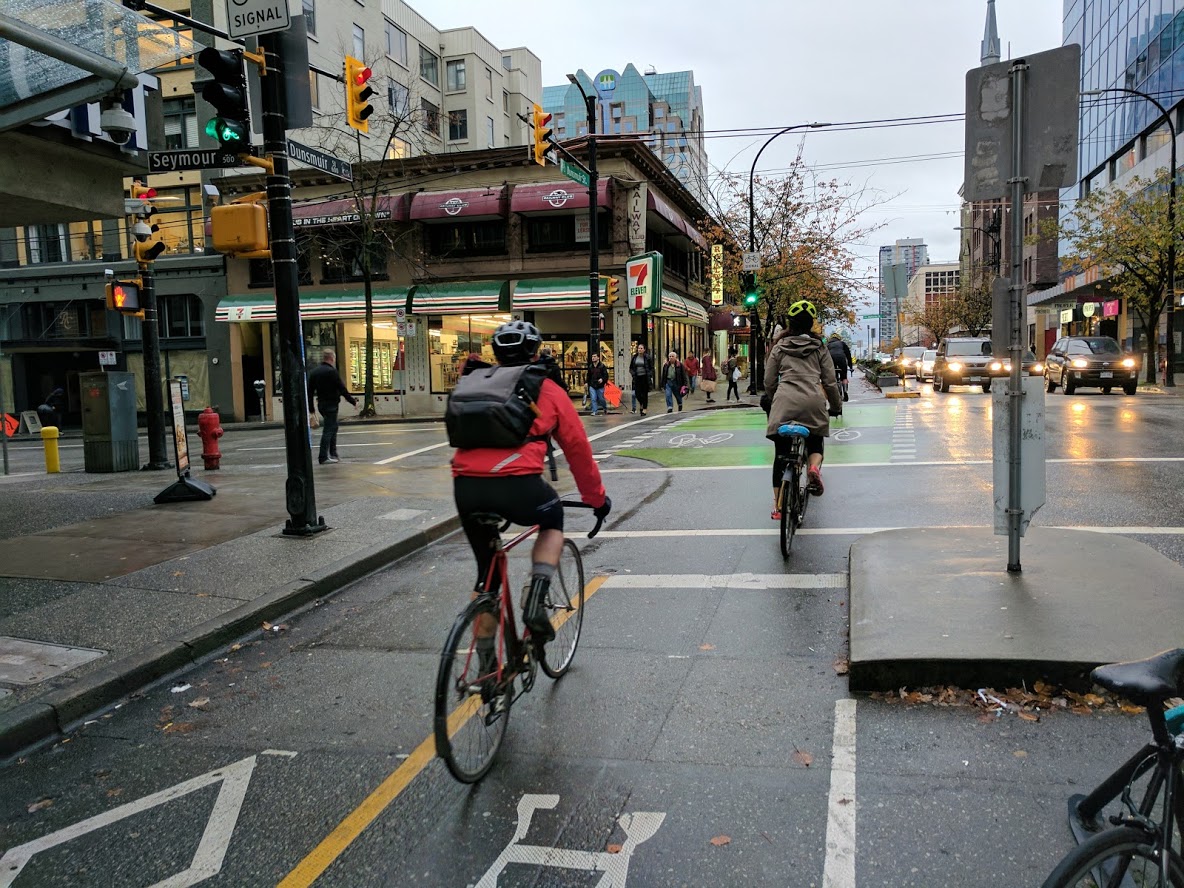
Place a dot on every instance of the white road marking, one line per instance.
(211, 850)
(838, 870)
(726, 581)
(285, 753)
(402, 514)
(1143, 530)
(397, 457)
(831, 467)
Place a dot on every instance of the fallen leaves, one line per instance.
(40, 805)
(613, 849)
(706, 647)
(1027, 705)
(803, 758)
(720, 841)
(200, 703)
(841, 666)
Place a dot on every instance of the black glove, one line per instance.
(835, 411)
(766, 403)
(601, 512)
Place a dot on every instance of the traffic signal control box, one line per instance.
(240, 229)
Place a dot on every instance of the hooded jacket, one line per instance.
(797, 374)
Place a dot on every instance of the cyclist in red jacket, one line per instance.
(509, 481)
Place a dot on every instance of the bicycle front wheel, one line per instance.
(471, 710)
(1121, 856)
(565, 608)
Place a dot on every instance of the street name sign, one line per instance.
(751, 262)
(191, 159)
(248, 17)
(318, 159)
(871, 317)
(575, 173)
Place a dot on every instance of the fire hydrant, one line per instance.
(209, 429)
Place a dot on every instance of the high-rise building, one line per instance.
(668, 108)
(909, 253)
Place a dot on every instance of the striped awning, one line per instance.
(463, 297)
(676, 306)
(260, 306)
(553, 293)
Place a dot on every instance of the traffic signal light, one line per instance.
(542, 135)
(228, 94)
(751, 293)
(612, 291)
(124, 296)
(357, 92)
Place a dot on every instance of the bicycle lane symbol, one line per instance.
(639, 827)
(690, 439)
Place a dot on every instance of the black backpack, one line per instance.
(494, 406)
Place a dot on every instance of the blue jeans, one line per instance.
(673, 392)
(598, 398)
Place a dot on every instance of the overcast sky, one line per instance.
(764, 63)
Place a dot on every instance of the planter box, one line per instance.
(887, 380)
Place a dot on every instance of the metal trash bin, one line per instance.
(110, 438)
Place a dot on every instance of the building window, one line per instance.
(431, 117)
(262, 272)
(400, 99)
(396, 44)
(458, 125)
(46, 243)
(452, 338)
(429, 66)
(489, 131)
(310, 17)
(398, 149)
(341, 259)
(489, 84)
(505, 101)
(456, 239)
(455, 75)
(180, 123)
(181, 220)
(552, 234)
(314, 89)
(507, 63)
(359, 43)
(181, 317)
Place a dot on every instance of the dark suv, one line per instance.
(963, 360)
(1090, 361)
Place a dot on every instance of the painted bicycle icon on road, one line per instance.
(690, 439)
(844, 435)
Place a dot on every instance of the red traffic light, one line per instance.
(362, 76)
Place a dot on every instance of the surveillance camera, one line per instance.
(141, 231)
(118, 124)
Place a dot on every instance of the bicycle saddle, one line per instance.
(1141, 681)
(792, 429)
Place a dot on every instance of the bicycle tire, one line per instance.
(789, 513)
(469, 724)
(803, 501)
(1102, 855)
(565, 607)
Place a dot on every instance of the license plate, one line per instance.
(1106, 374)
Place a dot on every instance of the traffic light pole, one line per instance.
(299, 489)
(153, 397)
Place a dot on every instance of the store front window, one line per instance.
(388, 357)
(452, 338)
(572, 357)
(318, 336)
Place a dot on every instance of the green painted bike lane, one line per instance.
(737, 438)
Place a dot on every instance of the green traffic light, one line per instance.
(750, 299)
(227, 132)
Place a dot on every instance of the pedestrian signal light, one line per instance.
(228, 95)
(357, 93)
(124, 296)
(612, 291)
(542, 134)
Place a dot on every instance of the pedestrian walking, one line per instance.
(732, 372)
(691, 365)
(840, 354)
(641, 370)
(324, 383)
(50, 412)
(596, 380)
(710, 376)
(674, 382)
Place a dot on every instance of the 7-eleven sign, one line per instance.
(643, 276)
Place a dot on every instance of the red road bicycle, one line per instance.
(481, 676)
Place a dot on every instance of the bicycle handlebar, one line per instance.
(567, 504)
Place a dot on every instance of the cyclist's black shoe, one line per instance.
(535, 613)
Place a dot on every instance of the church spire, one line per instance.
(990, 45)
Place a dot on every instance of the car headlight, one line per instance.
(1128, 362)
(905, 362)
(996, 366)
(1080, 363)
(1037, 368)
(955, 366)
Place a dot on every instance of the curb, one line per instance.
(53, 713)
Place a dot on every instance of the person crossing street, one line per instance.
(641, 370)
(673, 382)
(324, 383)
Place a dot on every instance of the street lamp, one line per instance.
(757, 372)
(593, 233)
(1169, 376)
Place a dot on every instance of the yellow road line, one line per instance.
(331, 847)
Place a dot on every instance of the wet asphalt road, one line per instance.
(710, 702)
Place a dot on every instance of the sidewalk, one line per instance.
(115, 592)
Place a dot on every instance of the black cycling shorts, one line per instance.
(524, 500)
(784, 453)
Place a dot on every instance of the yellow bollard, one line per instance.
(53, 459)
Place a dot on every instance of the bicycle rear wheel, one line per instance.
(1124, 856)
(565, 607)
(471, 713)
(789, 512)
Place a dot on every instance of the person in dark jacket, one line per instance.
(596, 381)
(840, 353)
(554, 373)
(641, 370)
(674, 381)
(324, 384)
(50, 413)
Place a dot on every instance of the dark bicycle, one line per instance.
(486, 665)
(1138, 849)
(793, 496)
